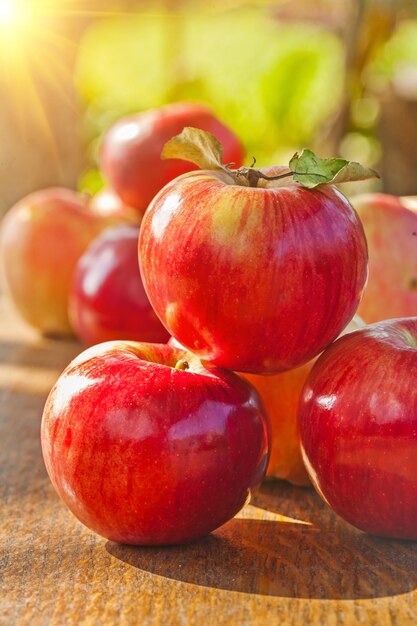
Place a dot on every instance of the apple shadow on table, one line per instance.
(283, 559)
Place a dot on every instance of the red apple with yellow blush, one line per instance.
(250, 269)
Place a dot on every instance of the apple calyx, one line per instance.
(306, 168)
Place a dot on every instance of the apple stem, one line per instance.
(205, 151)
(182, 365)
(253, 175)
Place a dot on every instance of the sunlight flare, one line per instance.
(15, 17)
(9, 13)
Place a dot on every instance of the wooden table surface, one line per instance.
(285, 560)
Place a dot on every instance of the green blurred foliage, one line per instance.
(273, 84)
(276, 84)
(401, 49)
(361, 141)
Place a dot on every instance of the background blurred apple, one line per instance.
(280, 394)
(131, 150)
(390, 225)
(41, 239)
(107, 299)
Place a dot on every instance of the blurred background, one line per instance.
(339, 76)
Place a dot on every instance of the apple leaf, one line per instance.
(306, 168)
(197, 146)
(310, 170)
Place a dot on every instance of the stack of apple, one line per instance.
(254, 271)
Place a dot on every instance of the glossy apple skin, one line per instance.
(41, 239)
(107, 203)
(256, 280)
(358, 427)
(131, 150)
(281, 394)
(107, 298)
(143, 453)
(390, 225)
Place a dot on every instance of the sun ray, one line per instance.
(35, 72)
(37, 55)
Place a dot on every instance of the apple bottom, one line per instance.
(379, 501)
(143, 453)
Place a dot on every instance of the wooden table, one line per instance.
(285, 560)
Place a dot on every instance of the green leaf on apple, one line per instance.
(197, 146)
(306, 168)
(310, 170)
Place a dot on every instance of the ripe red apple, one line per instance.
(281, 394)
(358, 427)
(107, 203)
(256, 279)
(131, 150)
(390, 225)
(107, 299)
(42, 237)
(145, 451)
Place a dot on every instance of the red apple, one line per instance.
(280, 394)
(131, 150)
(107, 298)
(256, 279)
(107, 203)
(390, 225)
(42, 237)
(358, 427)
(145, 451)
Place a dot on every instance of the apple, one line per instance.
(107, 203)
(130, 154)
(147, 445)
(358, 427)
(390, 225)
(107, 299)
(41, 239)
(253, 279)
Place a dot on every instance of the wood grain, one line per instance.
(285, 560)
